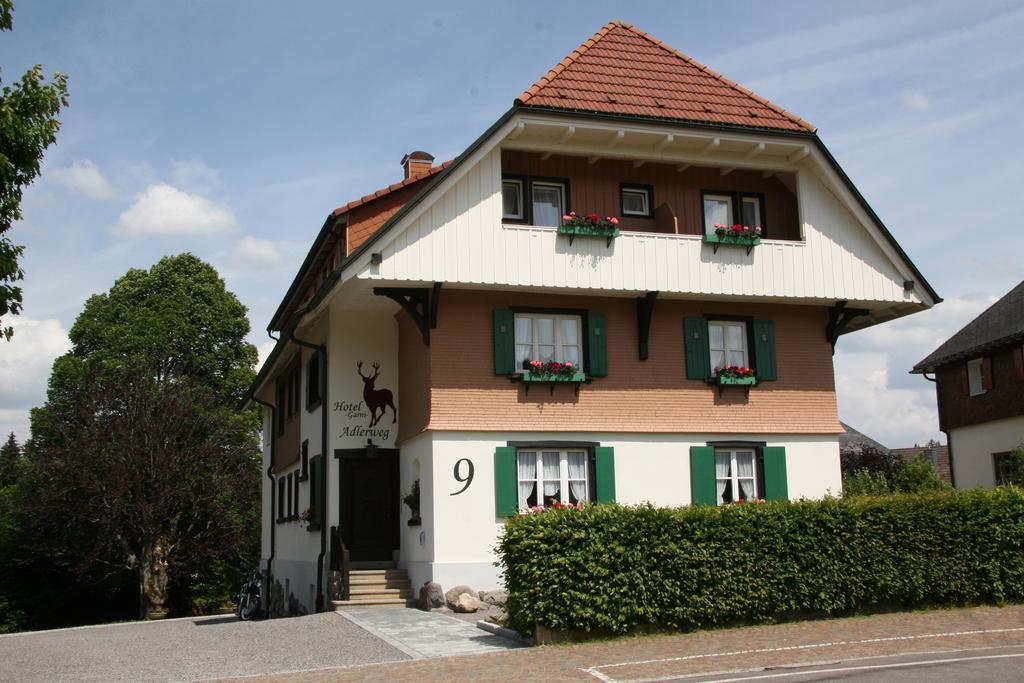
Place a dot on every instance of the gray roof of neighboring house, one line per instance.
(1000, 324)
(852, 439)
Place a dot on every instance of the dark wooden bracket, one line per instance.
(715, 245)
(839, 317)
(644, 309)
(418, 303)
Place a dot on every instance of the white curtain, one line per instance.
(547, 206)
(570, 341)
(722, 474)
(715, 211)
(527, 477)
(546, 339)
(745, 472)
(578, 475)
(524, 340)
(552, 475)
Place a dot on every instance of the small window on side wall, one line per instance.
(637, 201)
(976, 377)
(512, 200)
(548, 203)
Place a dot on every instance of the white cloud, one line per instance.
(82, 177)
(164, 209)
(264, 350)
(195, 176)
(876, 393)
(915, 99)
(254, 251)
(25, 364)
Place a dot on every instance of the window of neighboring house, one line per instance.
(313, 381)
(736, 476)
(548, 203)
(305, 460)
(727, 341)
(547, 337)
(549, 476)
(636, 201)
(512, 199)
(1003, 466)
(974, 377)
(295, 507)
(297, 386)
(717, 211)
(281, 484)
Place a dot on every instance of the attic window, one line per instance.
(636, 201)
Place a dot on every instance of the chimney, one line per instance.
(417, 164)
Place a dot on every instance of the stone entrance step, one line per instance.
(376, 587)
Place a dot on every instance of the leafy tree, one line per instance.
(1014, 464)
(916, 476)
(139, 461)
(10, 454)
(28, 125)
(864, 482)
(876, 460)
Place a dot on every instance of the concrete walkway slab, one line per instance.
(425, 635)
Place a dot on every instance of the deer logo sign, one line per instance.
(376, 399)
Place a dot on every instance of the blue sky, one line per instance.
(231, 129)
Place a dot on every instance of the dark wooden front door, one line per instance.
(369, 503)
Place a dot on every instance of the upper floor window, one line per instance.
(548, 199)
(547, 337)
(717, 211)
(512, 199)
(735, 476)
(546, 477)
(313, 380)
(727, 341)
(975, 378)
(731, 208)
(637, 201)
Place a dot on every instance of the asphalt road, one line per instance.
(190, 649)
(976, 665)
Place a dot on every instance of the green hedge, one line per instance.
(612, 568)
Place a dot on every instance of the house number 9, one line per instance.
(468, 479)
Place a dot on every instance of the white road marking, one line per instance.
(896, 665)
(596, 673)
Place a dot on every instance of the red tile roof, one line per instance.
(622, 70)
(390, 188)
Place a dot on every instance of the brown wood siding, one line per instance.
(286, 443)
(1004, 399)
(595, 188)
(413, 379)
(636, 396)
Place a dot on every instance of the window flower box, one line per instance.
(734, 376)
(738, 235)
(590, 225)
(553, 372)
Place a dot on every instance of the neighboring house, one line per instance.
(938, 456)
(406, 338)
(979, 385)
(853, 441)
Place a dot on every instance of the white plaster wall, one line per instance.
(648, 468)
(973, 446)
(417, 542)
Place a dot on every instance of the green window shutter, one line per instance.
(764, 350)
(702, 476)
(604, 469)
(776, 486)
(506, 484)
(504, 343)
(597, 338)
(315, 479)
(698, 353)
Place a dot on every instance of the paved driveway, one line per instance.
(191, 649)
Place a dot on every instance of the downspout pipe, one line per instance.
(949, 442)
(325, 464)
(273, 495)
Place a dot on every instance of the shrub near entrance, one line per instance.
(612, 568)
